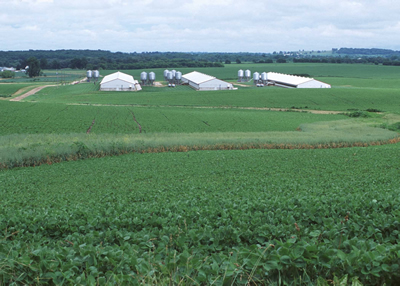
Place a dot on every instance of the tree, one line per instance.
(238, 61)
(43, 63)
(34, 67)
(227, 62)
(75, 63)
(7, 74)
(55, 65)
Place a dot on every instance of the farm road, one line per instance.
(31, 92)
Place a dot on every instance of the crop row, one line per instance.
(28, 118)
(258, 216)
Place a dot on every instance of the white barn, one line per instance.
(292, 81)
(119, 82)
(201, 81)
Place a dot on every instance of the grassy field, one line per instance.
(52, 76)
(210, 193)
(28, 118)
(8, 90)
(341, 99)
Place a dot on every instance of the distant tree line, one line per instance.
(367, 52)
(100, 59)
(393, 60)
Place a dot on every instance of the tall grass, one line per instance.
(34, 149)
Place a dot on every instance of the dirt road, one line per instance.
(31, 92)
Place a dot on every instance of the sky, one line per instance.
(198, 25)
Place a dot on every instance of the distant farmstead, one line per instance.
(292, 81)
(201, 81)
(119, 82)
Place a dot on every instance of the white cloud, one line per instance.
(198, 25)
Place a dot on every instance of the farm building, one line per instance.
(119, 82)
(201, 81)
(292, 81)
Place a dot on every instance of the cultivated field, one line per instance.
(210, 188)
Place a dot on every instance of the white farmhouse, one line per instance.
(292, 81)
(201, 81)
(119, 82)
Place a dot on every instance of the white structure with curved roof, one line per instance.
(119, 82)
(292, 81)
(201, 81)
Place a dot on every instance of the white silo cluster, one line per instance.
(147, 78)
(92, 74)
(173, 77)
(260, 80)
(244, 76)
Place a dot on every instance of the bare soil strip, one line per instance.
(90, 128)
(221, 107)
(31, 92)
(140, 126)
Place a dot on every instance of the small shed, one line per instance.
(292, 81)
(119, 82)
(201, 81)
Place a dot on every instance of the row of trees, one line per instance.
(99, 59)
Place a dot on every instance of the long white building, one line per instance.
(292, 81)
(201, 81)
(119, 82)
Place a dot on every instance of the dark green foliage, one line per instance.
(302, 74)
(392, 127)
(7, 74)
(363, 114)
(373, 110)
(34, 67)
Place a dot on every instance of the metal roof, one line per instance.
(287, 78)
(118, 75)
(197, 77)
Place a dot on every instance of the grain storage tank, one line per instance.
(170, 77)
(256, 77)
(143, 77)
(240, 75)
(152, 77)
(89, 75)
(96, 74)
(264, 77)
(247, 75)
(178, 77)
(166, 74)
